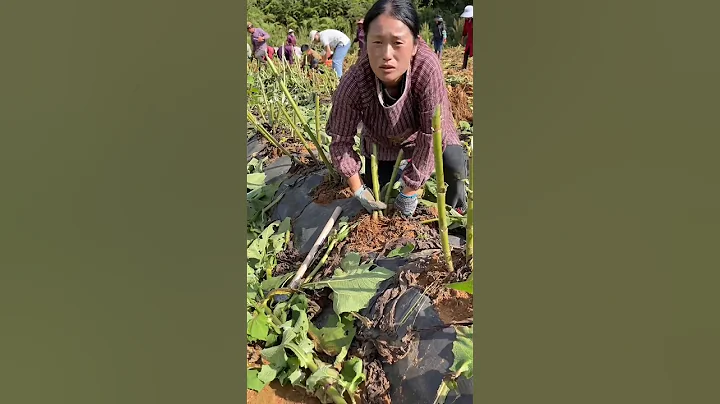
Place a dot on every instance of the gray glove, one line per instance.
(406, 204)
(366, 198)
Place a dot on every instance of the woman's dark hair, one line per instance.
(304, 48)
(402, 10)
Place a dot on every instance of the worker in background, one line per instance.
(360, 38)
(467, 34)
(439, 35)
(311, 59)
(335, 43)
(291, 37)
(258, 38)
(286, 52)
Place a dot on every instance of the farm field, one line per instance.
(344, 306)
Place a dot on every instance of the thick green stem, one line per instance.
(303, 121)
(317, 118)
(374, 174)
(270, 119)
(392, 177)
(469, 217)
(269, 137)
(441, 187)
(296, 132)
(322, 261)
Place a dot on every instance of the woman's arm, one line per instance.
(430, 87)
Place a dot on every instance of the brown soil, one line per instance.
(287, 261)
(452, 305)
(254, 359)
(288, 141)
(274, 393)
(331, 190)
(386, 233)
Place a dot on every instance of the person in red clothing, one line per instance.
(394, 91)
(467, 34)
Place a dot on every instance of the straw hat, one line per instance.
(468, 13)
(312, 35)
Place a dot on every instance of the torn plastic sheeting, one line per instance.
(297, 196)
(307, 226)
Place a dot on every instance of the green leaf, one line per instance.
(324, 375)
(258, 328)
(350, 260)
(340, 357)
(253, 382)
(352, 290)
(292, 373)
(336, 335)
(275, 282)
(275, 355)
(403, 251)
(463, 352)
(352, 374)
(267, 374)
(255, 180)
(465, 286)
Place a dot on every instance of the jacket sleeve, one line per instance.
(431, 93)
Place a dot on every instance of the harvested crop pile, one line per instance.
(459, 103)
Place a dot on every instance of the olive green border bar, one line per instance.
(477, 134)
(596, 202)
(121, 236)
(243, 206)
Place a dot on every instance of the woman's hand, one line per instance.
(367, 200)
(364, 195)
(406, 204)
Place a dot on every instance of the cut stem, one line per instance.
(269, 137)
(297, 133)
(322, 261)
(374, 175)
(392, 178)
(270, 119)
(469, 217)
(303, 121)
(317, 118)
(441, 187)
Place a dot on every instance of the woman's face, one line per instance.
(390, 48)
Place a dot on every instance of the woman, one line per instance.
(259, 38)
(291, 38)
(336, 44)
(467, 34)
(360, 38)
(393, 91)
(439, 35)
